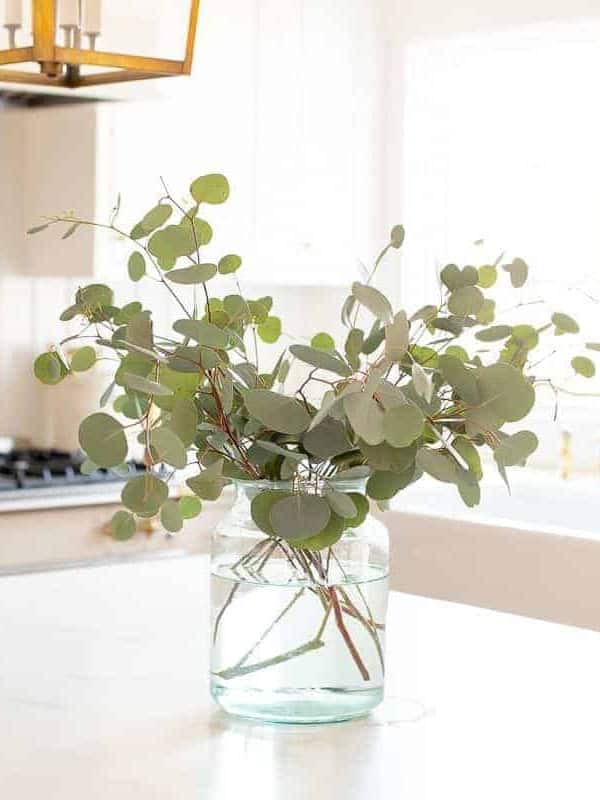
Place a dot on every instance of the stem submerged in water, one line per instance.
(333, 598)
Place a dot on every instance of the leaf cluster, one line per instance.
(404, 395)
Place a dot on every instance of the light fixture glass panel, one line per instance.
(148, 28)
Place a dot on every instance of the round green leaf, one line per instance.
(170, 516)
(48, 369)
(209, 483)
(385, 485)
(403, 424)
(144, 494)
(88, 467)
(439, 464)
(322, 341)
(454, 278)
(184, 419)
(516, 449)
(362, 509)
(465, 301)
(229, 263)
(397, 236)
(365, 417)
(487, 313)
(260, 508)
(70, 313)
(353, 347)
(168, 447)
(277, 412)
(136, 266)
(373, 300)
(470, 454)
(505, 392)
(270, 330)
(139, 333)
(342, 504)
(144, 385)
(584, 366)
(518, 271)
(468, 488)
(103, 440)
(320, 359)
(564, 323)
(327, 439)
(461, 379)
(299, 516)
(427, 356)
(127, 313)
(494, 334)
(235, 307)
(189, 506)
(205, 333)
(458, 352)
(94, 296)
(175, 241)
(330, 534)
(83, 359)
(197, 273)
(524, 338)
(210, 189)
(397, 337)
(155, 218)
(488, 275)
(122, 526)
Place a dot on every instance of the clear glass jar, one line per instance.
(297, 635)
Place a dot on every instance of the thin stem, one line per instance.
(196, 244)
(339, 619)
(119, 232)
(269, 628)
(226, 605)
(237, 672)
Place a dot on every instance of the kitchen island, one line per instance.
(104, 696)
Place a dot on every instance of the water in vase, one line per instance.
(289, 648)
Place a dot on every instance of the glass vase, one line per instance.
(297, 636)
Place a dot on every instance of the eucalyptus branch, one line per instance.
(135, 242)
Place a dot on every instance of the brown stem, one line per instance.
(226, 605)
(339, 619)
(351, 610)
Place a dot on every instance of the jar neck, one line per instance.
(247, 490)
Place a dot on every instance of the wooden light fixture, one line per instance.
(63, 48)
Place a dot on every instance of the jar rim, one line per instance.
(342, 484)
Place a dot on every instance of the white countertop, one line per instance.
(103, 696)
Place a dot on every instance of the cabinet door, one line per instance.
(58, 177)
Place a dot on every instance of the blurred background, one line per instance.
(475, 125)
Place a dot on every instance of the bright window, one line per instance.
(501, 137)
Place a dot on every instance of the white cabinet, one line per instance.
(286, 100)
(47, 167)
(59, 175)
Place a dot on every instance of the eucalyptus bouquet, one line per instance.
(406, 394)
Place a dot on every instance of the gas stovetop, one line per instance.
(34, 479)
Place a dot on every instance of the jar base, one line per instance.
(297, 706)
